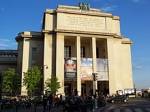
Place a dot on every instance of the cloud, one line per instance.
(96, 0)
(137, 67)
(7, 44)
(140, 63)
(139, 1)
(3, 45)
(136, 1)
(4, 40)
(109, 8)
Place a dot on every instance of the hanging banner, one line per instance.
(70, 68)
(70, 65)
(86, 69)
(102, 69)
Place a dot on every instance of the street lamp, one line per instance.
(94, 88)
(43, 67)
(94, 82)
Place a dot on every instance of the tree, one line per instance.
(32, 79)
(52, 85)
(10, 81)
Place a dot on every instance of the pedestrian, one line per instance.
(50, 102)
(44, 103)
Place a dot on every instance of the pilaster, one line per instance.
(60, 61)
(47, 62)
(78, 65)
(94, 62)
(25, 63)
(111, 65)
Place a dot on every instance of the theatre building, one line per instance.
(75, 44)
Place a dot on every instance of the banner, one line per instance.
(102, 69)
(70, 68)
(70, 65)
(86, 69)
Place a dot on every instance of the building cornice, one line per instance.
(87, 13)
(82, 32)
(126, 41)
(28, 34)
(78, 11)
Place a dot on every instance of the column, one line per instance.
(60, 61)
(47, 62)
(78, 65)
(94, 62)
(111, 65)
(25, 63)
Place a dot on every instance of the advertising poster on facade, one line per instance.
(86, 69)
(70, 68)
(102, 69)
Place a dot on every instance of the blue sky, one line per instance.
(26, 15)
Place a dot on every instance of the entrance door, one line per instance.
(83, 89)
(103, 87)
(87, 88)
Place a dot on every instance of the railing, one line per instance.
(8, 52)
(8, 60)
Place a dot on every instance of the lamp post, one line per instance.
(94, 83)
(43, 67)
(94, 89)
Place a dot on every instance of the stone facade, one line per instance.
(89, 39)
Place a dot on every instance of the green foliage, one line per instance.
(52, 85)
(32, 79)
(10, 81)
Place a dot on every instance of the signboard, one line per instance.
(70, 75)
(86, 69)
(70, 68)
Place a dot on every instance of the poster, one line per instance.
(86, 69)
(102, 69)
(70, 68)
(70, 65)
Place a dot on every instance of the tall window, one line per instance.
(82, 51)
(34, 55)
(67, 51)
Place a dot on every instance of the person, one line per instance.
(44, 103)
(101, 101)
(49, 102)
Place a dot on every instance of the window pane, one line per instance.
(67, 51)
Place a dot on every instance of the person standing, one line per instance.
(44, 103)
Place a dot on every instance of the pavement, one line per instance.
(134, 105)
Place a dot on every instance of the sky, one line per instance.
(26, 15)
